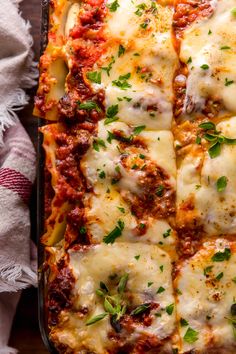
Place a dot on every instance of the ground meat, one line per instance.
(59, 293)
(187, 11)
(157, 195)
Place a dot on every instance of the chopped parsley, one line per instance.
(225, 47)
(139, 129)
(121, 50)
(183, 322)
(144, 25)
(98, 143)
(160, 290)
(167, 233)
(204, 66)
(122, 82)
(89, 105)
(150, 283)
(228, 82)
(94, 76)
(109, 67)
(137, 257)
(102, 175)
(233, 11)
(170, 309)
(222, 256)
(221, 184)
(115, 233)
(113, 6)
(215, 139)
(159, 191)
(219, 276)
(122, 210)
(207, 270)
(111, 114)
(83, 230)
(191, 336)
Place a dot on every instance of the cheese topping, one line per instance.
(111, 183)
(209, 50)
(198, 176)
(139, 48)
(208, 289)
(99, 264)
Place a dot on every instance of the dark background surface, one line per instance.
(25, 334)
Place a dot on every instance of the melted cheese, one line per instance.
(101, 221)
(197, 177)
(97, 264)
(206, 302)
(159, 149)
(212, 42)
(149, 58)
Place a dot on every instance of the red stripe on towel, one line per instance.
(16, 182)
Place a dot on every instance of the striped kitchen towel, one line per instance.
(17, 268)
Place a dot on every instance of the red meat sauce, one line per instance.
(87, 44)
(72, 143)
(188, 11)
(60, 291)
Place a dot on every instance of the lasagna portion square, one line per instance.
(206, 305)
(206, 184)
(121, 301)
(131, 172)
(118, 184)
(208, 50)
(115, 59)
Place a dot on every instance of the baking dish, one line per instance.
(40, 205)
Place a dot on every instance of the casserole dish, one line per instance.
(137, 192)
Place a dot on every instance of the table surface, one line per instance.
(25, 334)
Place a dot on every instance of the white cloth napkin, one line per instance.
(17, 165)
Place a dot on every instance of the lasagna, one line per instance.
(139, 176)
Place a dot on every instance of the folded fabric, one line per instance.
(17, 165)
(17, 69)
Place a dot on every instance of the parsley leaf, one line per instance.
(113, 6)
(170, 309)
(183, 322)
(111, 114)
(204, 66)
(219, 276)
(221, 184)
(121, 50)
(89, 105)
(160, 290)
(97, 143)
(222, 256)
(115, 233)
(191, 336)
(167, 233)
(94, 76)
(139, 129)
(228, 82)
